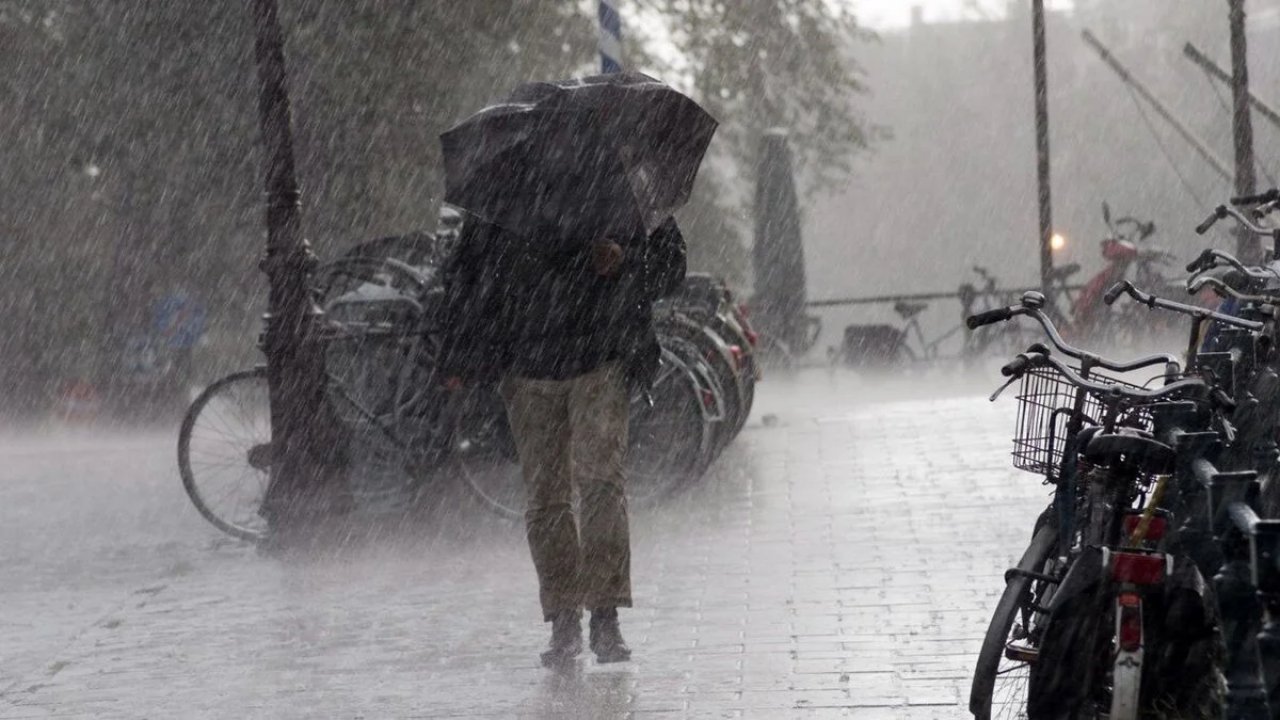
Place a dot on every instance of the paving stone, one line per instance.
(841, 564)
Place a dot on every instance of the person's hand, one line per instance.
(606, 258)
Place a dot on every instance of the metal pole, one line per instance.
(1201, 149)
(1217, 73)
(610, 37)
(294, 378)
(1247, 246)
(1042, 147)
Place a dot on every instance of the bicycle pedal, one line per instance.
(1020, 653)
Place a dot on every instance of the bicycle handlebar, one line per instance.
(1225, 290)
(1208, 260)
(1105, 391)
(1017, 366)
(1271, 195)
(1203, 261)
(1127, 288)
(1115, 291)
(1223, 211)
(1030, 307)
(973, 322)
(1143, 230)
(1203, 227)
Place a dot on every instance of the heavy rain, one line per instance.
(900, 359)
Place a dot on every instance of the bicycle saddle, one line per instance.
(1066, 271)
(909, 310)
(1133, 448)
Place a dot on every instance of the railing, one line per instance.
(935, 337)
(923, 297)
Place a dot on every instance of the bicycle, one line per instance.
(1004, 339)
(884, 346)
(1145, 460)
(708, 301)
(385, 401)
(1068, 635)
(1126, 251)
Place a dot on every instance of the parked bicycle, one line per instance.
(1130, 256)
(408, 431)
(1110, 613)
(1004, 339)
(883, 346)
(1083, 616)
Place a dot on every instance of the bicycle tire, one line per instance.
(692, 461)
(748, 392)
(715, 352)
(500, 506)
(982, 700)
(482, 452)
(721, 399)
(732, 333)
(252, 528)
(690, 445)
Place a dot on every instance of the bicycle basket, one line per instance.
(1045, 400)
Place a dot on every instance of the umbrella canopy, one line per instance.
(607, 153)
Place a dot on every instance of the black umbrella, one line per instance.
(578, 157)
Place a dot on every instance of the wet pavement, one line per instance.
(839, 561)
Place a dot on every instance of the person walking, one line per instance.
(570, 187)
(564, 324)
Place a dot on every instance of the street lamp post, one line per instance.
(1042, 146)
(1248, 246)
(294, 377)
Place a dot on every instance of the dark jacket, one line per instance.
(534, 307)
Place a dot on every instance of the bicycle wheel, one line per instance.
(716, 353)
(669, 444)
(728, 328)
(1001, 677)
(715, 398)
(670, 440)
(224, 453)
(484, 453)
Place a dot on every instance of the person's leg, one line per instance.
(539, 417)
(598, 416)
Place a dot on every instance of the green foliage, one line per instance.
(758, 64)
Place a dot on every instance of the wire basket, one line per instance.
(1045, 401)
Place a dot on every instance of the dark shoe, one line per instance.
(606, 637)
(566, 639)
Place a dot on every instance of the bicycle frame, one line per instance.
(928, 349)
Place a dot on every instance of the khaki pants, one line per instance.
(574, 433)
